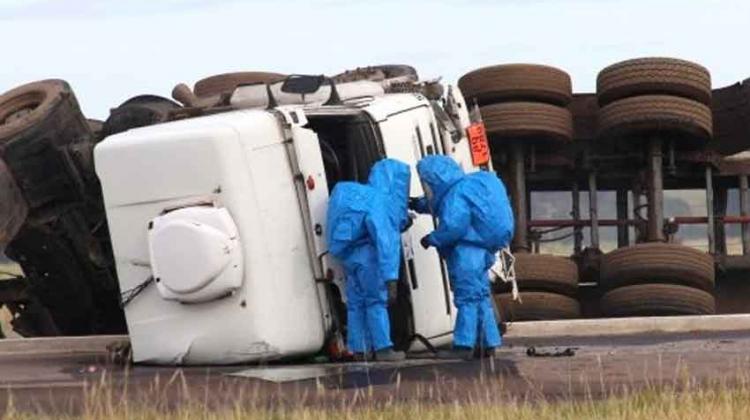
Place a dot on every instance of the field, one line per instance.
(666, 403)
(692, 375)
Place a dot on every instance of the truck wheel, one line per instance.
(516, 82)
(544, 273)
(654, 76)
(657, 299)
(37, 121)
(538, 306)
(228, 82)
(527, 120)
(139, 111)
(47, 107)
(657, 262)
(656, 113)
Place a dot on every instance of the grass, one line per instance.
(7, 271)
(687, 401)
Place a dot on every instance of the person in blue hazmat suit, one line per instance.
(475, 221)
(364, 228)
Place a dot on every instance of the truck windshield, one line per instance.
(349, 144)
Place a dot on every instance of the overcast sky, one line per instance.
(110, 50)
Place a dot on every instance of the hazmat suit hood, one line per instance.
(392, 178)
(440, 173)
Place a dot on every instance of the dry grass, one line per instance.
(687, 401)
(8, 270)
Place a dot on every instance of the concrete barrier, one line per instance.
(628, 326)
(60, 345)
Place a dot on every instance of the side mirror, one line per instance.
(302, 85)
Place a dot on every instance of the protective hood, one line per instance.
(392, 178)
(440, 173)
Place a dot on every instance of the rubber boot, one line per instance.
(457, 353)
(389, 355)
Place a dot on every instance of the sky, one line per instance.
(110, 50)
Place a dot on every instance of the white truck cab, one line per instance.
(218, 225)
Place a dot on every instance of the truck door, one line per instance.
(408, 136)
(307, 163)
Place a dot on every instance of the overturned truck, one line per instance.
(653, 125)
(214, 218)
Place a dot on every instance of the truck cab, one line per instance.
(217, 224)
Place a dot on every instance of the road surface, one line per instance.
(600, 365)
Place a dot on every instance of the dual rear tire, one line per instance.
(521, 102)
(548, 286)
(657, 279)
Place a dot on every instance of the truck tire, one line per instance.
(544, 273)
(657, 262)
(39, 121)
(537, 306)
(138, 111)
(228, 82)
(657, 299)
(654, 76)
(516, 82)
(46, 107)
(656, 113)
(527, 120)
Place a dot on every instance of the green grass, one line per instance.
(711, 402)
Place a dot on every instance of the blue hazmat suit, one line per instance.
(475, 220)
(364, 234)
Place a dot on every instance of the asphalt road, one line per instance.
(599, 366)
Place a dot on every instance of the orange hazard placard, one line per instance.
(480, 149)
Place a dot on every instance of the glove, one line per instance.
(413, 203)
(425, 242)
(392, 291)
